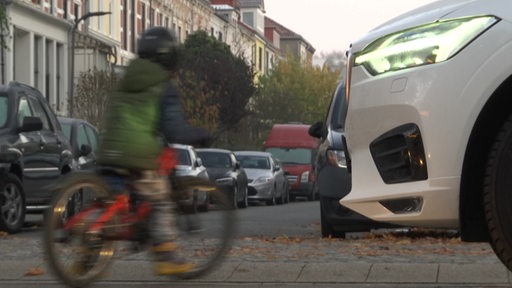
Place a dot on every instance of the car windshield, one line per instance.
(298, 156)
(253, 162)
(3, 110)
(66, 128)
(215, 159)
(183, 157)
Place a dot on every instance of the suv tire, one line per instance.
(497, 196)
(12, 204)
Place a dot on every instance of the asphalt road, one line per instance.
(280, 246)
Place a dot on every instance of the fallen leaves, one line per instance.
(34, 272)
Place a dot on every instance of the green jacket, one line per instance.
(130, 135)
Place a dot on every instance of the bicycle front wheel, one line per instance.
(75, 254)
(204, 238)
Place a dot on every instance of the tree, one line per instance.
(4, 25)
(295, 92)
(212, 78)
(92, 95)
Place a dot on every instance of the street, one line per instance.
(280, 246)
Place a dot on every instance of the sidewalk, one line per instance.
(295, 272)
(297, 261)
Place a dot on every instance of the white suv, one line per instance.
(429, 121)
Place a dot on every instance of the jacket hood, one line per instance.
(425, 14)
(141, 74)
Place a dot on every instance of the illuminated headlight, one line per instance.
(304, 177)
(262, 180)
(337, 158)
(422, 45)
(224, 181)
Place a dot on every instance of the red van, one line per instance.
(296, 150)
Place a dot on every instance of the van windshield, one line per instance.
(297, 156)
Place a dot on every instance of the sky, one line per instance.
(331, 25)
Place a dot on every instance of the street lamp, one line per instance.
(72, 53)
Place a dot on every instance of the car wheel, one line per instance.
(235, 196)
(245, 201)
(497, 196)
(327, 228)
(12, 204)
(280, 200)
(272, 200)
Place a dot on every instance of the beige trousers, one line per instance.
(157, 189)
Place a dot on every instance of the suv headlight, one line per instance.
(422, 45)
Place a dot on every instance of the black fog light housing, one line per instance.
(403, 205)
(399, 155)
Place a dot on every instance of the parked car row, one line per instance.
(37, 147)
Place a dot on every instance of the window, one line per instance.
(93, 137)
(248, 18)
(260, 59)
(143, 16)
(81, 136)
(184, 157)
(292, 155)
(66, 129)
(40, 112)
(23, 110)
(3, 110)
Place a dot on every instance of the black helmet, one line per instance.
(159, 45)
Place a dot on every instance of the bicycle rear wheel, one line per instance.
(77, 256)
(204, 238)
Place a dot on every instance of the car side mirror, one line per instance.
(237, 165)
(30, 124)
(85, 149)
(315, 130)
(199, 162)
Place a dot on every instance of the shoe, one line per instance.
(167, 261)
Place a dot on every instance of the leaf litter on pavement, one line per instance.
(387, 242)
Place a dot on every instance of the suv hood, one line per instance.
(432, 12)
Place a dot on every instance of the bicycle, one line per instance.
(80, 244)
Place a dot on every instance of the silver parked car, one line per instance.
(266, 178)
(189, 167)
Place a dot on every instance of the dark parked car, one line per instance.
(225, 170)
(267, 179)
(332, 178)
(34, 152)
(83, 137)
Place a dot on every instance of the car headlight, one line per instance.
(336, 158)
(422, 45)
(224, 181)
(262, 180)
(304, 177)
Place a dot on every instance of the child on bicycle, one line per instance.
(143, 115)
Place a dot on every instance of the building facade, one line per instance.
(50, 42)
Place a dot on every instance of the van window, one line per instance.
(298, 156)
